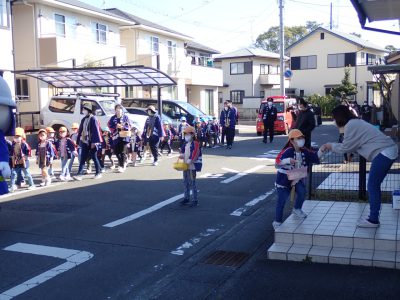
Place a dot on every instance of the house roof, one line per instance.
(248, 52)
(197, 46)
(88, 7)
(344, 36)
(140, 21)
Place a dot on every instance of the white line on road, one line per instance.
(73, 259)
(230, 170)
(237, 176)
(253, 202)
(193, 241)
(143, 212)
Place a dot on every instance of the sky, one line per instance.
(228, 25)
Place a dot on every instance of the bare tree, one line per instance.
(385, 85)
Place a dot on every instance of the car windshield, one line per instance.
(190, 108)
(280, 108)
(109, 106)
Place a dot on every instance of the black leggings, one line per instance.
(120, 152)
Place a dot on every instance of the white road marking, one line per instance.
(230, 170)
(253, 202)
(193, 241)
(210, 175)
(237, 176)
(144, 212)
(73, 259)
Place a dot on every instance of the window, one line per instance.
(171, 49)
(22, 89)
(340, 60)
(66, 106)
(4, 13)
(220, 97)
(237, 96)
(262, 94)
(193, 55)
(301, 93)
(273, 70)
(60, 25)
(263, 69)
(99, 33)
(322, 36)
(241, 68)
(154, 45)
(303, 62)
(209, 103)
(95, 107)
(371, 59)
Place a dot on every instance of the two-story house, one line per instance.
(6, 48)
(61, 34)
(318, 61)
(250, 74)
(187, 62)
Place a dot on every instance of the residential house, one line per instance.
(250, 75)
(179, 57)
(67, 33)
(6, 49)
(319, 59)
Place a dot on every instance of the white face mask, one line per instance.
(188, 138)
(269, 104)
(226, 107)
(85, 112)
(118, 111)
(63, 134)
(18, 139)
(300, 143)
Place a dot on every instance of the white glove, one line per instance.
(5, 169)
(320, 153)
(188, 161)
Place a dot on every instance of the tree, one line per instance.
(346, 88)
(327, 103)
(269, 40)
(385, 84)
(390, 48)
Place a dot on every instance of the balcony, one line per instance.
(205, 76)
(270, 79)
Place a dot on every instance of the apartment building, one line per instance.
(6, 48)
(61, 34)
(187, 62)
(250, 74)
(319, 59)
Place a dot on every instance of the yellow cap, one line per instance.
(295, 133)
(75, 126)
(62, 129)
(19, 131)
(49, 129)
(189, 129)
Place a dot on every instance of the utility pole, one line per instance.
(281, 48)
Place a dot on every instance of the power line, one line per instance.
(317, 4)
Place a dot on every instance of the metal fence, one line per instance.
(334, 179)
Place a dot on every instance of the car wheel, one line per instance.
(258, 133)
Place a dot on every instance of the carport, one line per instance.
(96, 77)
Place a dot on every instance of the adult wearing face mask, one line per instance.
(305, 121)
(369, 142)
(269, 117)
(89, 138)
(153, 132)
(120, 128)
(366, 112)
(228, 122)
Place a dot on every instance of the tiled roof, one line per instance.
(197, 46)
(345, 36)
(140, 21)
(248, 52)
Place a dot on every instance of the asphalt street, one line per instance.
(126, 237)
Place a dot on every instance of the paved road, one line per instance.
(125, 236)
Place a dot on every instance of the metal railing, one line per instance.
(336, 180)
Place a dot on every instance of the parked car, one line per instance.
(173, 109)
(65, 109)
(142, 112)
(284, 120)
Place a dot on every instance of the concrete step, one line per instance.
(329, 235)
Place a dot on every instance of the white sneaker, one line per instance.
(47, 181)
(62, 178)
(13, 188)
(155, 163)
(120, 170)
(98, 176)
(43, 183)
(31, 187)
(366, 223)
(103, 170)
(112, 167)
(68, 178)
(276, 224)
(299, 213)
(78, 177)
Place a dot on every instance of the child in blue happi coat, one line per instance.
(44, 156)
(294, 155)
(66, 148)
(191, 155)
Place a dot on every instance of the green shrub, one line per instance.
(327, 103)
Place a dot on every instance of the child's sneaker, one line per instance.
(112, 167)
(155, 163)
(48, 181)
(276, 224)
(184, 202)
(31, 187)
(13, 188)
(78, 177)
(98, 176)
(43, 183)
(62, 177)
(68, 178)
(193, 203)
(299, 213)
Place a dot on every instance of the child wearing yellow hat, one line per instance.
(66, 149)
(20, 152)
(292, 163)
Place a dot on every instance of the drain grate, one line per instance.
(226, 258)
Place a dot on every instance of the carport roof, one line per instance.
(100, 76)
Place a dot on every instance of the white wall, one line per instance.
(7, 59)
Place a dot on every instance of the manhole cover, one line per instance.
(226, 258)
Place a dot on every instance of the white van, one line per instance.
(65, 109)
